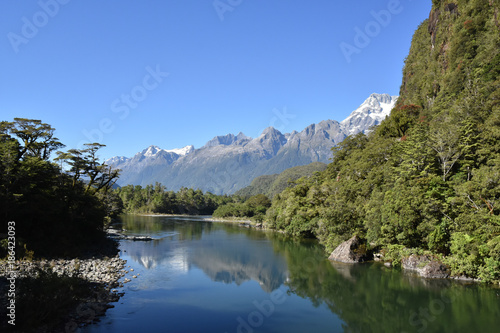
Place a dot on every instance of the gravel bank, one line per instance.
(103, 272)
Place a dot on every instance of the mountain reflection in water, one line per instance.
(198, 276)
(227, 260)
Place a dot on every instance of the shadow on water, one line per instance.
(373, 298)
(366, 297)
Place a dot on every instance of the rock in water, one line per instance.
(426, 266)
(349, 251)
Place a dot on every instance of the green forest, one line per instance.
(59, 206)
(270, 185)
(156, 199)
(428, 178)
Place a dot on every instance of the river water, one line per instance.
(198, 276)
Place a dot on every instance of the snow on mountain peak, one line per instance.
(153, 150)
(373, 110)
(182, 151)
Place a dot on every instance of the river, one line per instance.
(198, 276)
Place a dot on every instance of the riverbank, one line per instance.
(231, 220)
(61, 295)
(161, 214)
(241, 220)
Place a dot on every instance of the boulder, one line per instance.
(426, 266)
(349, 251)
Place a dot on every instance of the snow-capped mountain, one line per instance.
(151, 155)
(230, 162)
(153, 151)
(181, 151)
(370, 113)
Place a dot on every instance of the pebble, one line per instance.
(107, 271)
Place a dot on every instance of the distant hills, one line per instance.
(230, 162)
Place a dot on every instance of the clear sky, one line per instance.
(171, 73)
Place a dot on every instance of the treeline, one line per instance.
(156, 199)
(253, 201)
(58, 207)
(270, 185)
(254, 207)
(428, 178)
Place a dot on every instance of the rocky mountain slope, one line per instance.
(228, 163)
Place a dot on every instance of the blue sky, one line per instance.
(172, 73)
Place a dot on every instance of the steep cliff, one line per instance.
(427, 180)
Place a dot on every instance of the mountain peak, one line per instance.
(154, 150)
(242, 136)
(181, 151)
(373, 110)
(151, 150)
(227, 140)
(382, 98)
(270, 131)
(229, 162)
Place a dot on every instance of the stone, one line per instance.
(435, 270)
(349, 251)
(104, 271)
(426, 266)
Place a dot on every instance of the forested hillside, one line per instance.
(270, 185)
(428, 178)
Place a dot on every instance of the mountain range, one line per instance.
(230, 162)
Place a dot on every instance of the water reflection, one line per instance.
(233, 259)
(373, 298)
(367, 297)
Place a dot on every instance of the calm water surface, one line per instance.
(210, 277)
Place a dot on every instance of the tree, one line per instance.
(444, 139)
(36, 138)
(85, 166)
(56, 213)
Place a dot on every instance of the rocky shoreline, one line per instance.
(101, 277)
(425, 266)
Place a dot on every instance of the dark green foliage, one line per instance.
(259, 185)
(156, 199)
(428, 178)
(255, 207)
(271, 185)
(55, 213)
(265, 187)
